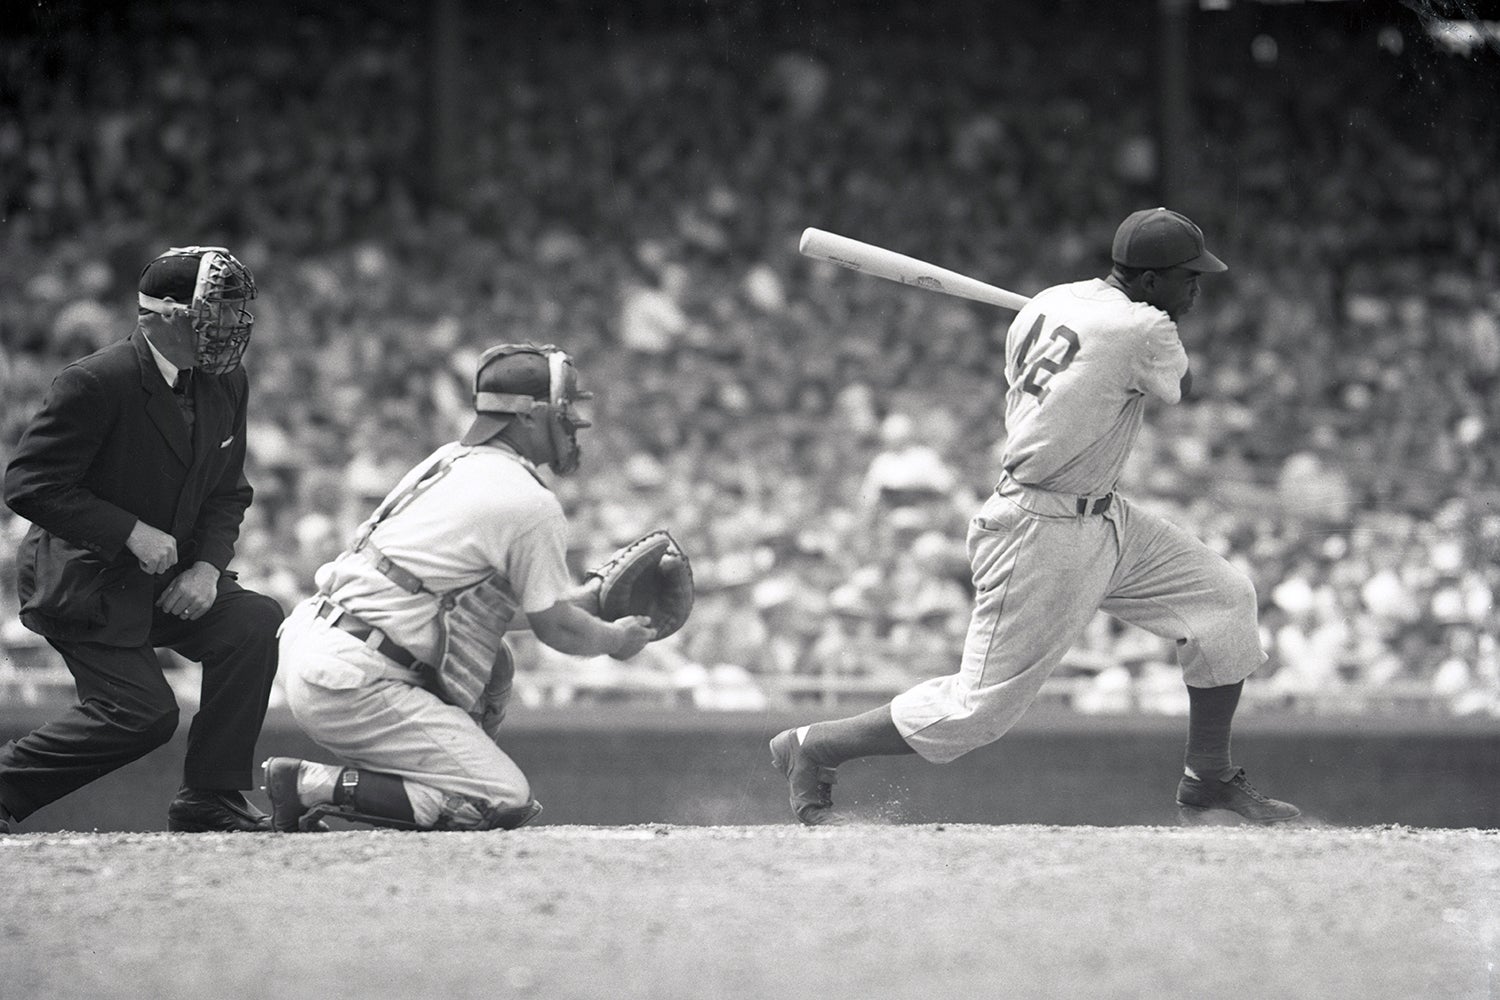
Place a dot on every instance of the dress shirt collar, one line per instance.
(168, 370)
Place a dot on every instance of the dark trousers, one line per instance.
(126, 708)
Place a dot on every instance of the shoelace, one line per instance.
(1244, 785)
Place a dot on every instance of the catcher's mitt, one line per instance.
(651, 576)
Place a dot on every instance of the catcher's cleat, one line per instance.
(288, 814)
(1227, 801)
(811, 784)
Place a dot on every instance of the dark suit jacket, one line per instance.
(108, 448)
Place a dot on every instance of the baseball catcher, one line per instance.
(399, 665)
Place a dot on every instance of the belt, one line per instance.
(1050, 503)
(1095, 505)
(369, 634)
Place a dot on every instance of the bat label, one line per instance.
(841, 262)
(923, 281)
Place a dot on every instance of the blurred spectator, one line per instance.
(636, 195)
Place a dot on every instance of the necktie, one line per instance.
(182, 391)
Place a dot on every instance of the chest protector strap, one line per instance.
(471, 620)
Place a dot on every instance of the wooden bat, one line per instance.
(871, 259)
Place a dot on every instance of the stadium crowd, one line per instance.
(816, 440)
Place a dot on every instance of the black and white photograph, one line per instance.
(744, 499)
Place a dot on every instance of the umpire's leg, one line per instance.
(125, 710)
(235, 641)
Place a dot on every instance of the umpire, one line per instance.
(132, 476)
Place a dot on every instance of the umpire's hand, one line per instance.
(192, 592)
(156, 550)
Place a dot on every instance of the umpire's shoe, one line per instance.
(197, 810)
(811, 784)
(1227, 800)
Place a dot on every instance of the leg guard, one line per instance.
(368, 797)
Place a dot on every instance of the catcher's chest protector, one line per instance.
(471, 625)
(472, 620)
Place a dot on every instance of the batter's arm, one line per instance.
(1161, 362)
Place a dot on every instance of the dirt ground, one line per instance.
(864, 911)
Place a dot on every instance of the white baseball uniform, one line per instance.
(487, 512)
(1053, 544)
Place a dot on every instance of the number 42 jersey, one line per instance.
(1081, 358)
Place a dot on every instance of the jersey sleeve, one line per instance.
(1160, 361)
(537, 564)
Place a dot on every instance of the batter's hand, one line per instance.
(156, 550)
(192, 593)
(634, 631)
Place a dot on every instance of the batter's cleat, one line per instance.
(287, 810)
(1229, 800)
(212, 811)
(811, 784)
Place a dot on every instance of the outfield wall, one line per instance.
(627, 766)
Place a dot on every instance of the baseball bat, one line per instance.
(871, 259)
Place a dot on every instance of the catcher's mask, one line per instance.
(539, 380)
(213, 288)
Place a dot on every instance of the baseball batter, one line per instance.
(1054, 542)
(398, 664)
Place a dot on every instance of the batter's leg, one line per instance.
(1038, 581)
(1174, 586)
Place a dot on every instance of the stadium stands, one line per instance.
(633, 188)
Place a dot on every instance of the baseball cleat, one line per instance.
(287, 810)
(1228, 801)
(811, 784)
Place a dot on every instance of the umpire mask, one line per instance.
(539, 380)
(211, 287)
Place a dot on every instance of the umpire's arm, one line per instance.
(56, 451)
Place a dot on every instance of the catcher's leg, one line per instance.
(452, 774)
(303, 792)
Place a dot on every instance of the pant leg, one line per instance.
(1038, 582)
(125, 710)
(235, 641)
(340, 693)
(1176, 587)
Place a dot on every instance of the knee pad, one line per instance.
(459, 813)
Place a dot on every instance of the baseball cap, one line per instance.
(1159, 238)
(173, 276)
(524, 373)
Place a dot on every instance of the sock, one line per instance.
(316, 782)
(868, 734)
(1210, 713)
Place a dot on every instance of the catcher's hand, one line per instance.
(652, 577)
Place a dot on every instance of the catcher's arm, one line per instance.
(585, 595)
(568, 628)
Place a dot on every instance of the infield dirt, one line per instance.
(865, 911)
